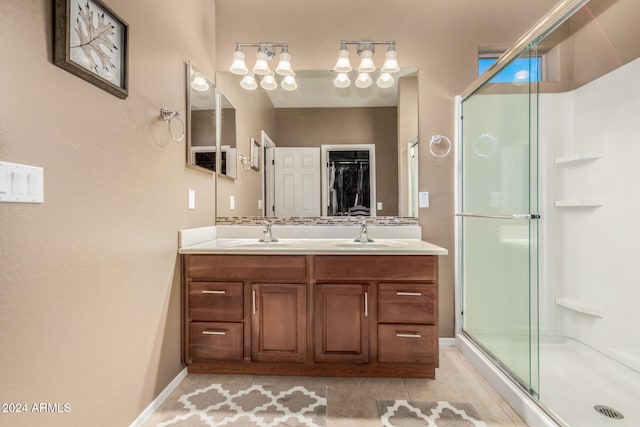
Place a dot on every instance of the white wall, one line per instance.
(591, 252)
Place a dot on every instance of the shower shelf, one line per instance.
(578, 203)
(580, 306)
(576, 158)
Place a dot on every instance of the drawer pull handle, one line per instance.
(408, 335)
(409, 294)
(214, 333)
(215, 292)
(366, 304)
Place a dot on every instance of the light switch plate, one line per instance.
(232, 202)
(21, 183)
(192, 199)
(379, 206)
(423, 199)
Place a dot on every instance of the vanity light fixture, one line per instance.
(266, 52)
(366, 49)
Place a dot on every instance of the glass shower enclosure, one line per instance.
(548, 213)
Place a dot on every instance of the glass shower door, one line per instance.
(499, 223)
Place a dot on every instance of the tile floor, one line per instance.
(351, 402)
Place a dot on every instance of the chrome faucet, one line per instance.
(364, 236)
(266, 233)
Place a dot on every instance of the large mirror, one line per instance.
(357, 138)
(201, 120)
(211, 119)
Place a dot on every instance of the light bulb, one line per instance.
(262, 66)
(391, 62)
(248, 82)
(363, 81)
(289, 83)
(268, 82)
(343, 65)
(238, 66)
(342, 80)
(199, 83)
(284, 66)
(385, 80)
(366, 61)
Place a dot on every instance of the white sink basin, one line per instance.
(253, 244)
(376, 244)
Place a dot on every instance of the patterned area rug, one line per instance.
(402, 413)
(256, 405)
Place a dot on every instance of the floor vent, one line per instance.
(608, 412)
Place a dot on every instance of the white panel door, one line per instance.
(297, 181)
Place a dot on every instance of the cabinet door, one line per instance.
(278, 322)
(341, 330)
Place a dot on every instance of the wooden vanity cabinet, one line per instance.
(278, 322)
(341, 323)
(317, 315)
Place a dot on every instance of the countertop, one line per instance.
(300, 240)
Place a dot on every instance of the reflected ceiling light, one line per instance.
(268, 82)
(364, 80)
(342, 80)
(199, 83)
(385, 80)
(266, 52)
(391, 62)
(366, 58)
(238, 65)
(366, 49)
(248, 82)
(289, 83)
(343, 65)
(284, 66)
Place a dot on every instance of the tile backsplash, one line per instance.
(324, 220)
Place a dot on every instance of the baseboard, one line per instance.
(159, 400)
(447, 342)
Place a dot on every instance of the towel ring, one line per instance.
(435, 148)
(167, 116)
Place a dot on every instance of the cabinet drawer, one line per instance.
(376, 267)
(407, 303)
(215, 341)
(285, 268)
(407, 344)
(215, 301)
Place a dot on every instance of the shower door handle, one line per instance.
(513, 216)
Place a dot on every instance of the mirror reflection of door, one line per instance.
(297, 181)
(348, 180)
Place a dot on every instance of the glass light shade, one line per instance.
(238, 66)
(385, 80)
(248, 82)
(262, 66)
(363, 81)
(343, 65)
(366, 62)
(199, 83)
(391, 63)
(284, 66)
(289, 83)
(342, 80)
(268, 82)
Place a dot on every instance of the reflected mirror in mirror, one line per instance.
(201, 120)
(320, 114)
(227, 126)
